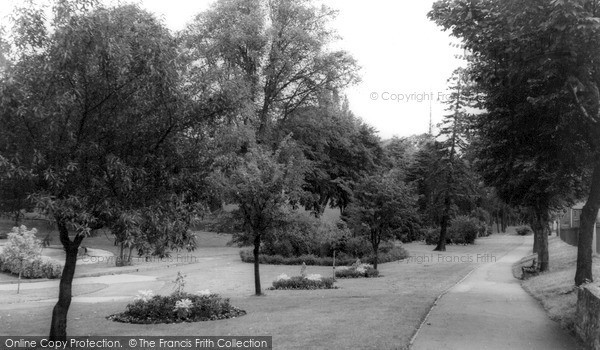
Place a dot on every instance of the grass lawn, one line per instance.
(378, 313)
(555, 289)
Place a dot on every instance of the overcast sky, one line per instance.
(405, 58)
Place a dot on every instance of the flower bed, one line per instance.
(313, 281)
(356, 271)
(178, 307)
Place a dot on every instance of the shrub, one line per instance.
(431, 235)
(22, 244)
(22, 254)
(464, 229)
(303, 282)
(523, 230)
(394, 254)
(303, 234)
(177, 307)
(356, 271)
(38, 267)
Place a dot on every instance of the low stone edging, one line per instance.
(587, 322)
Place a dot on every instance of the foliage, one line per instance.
(176, 308)
(383, 207)
(303, 282)
(276, 51)
(15, 185)
(523, 230)
(340, 147)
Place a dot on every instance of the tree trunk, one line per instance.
(497, 223)
(586, 231)
(257, 288)
(503, 220)
(441, 246)
(540, 229)
(376, 251)
(58, 326)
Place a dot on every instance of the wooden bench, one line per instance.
(528, 271)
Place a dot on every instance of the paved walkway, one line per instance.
(490, 310)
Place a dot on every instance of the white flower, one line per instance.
(361, 269)
(314, 277)
(144, 295)
(282, 277)
(205, 292)
(183, 304)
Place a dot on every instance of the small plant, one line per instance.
(179, 283)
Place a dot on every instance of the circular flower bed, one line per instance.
(148, 308)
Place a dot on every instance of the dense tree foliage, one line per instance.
(92, 109)
(534, 141)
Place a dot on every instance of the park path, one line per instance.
(489, 310)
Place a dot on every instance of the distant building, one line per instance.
(569, 223)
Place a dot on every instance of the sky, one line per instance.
(405, 59)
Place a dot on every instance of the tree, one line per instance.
(92, 109)
(523, 57)
(340, 147)
(441, 171)
(265, 185)
(275, 51)
(383, 205)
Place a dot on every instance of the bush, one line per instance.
(464, 229)
(303, 234)
(22, 253)
(523, 230)
(357, 271)
(431, 235)
(38, 267)
(177, 307)
(303, 282)
(394, 254)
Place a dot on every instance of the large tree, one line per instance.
(276, 53)
(341, 148)
(92, 108)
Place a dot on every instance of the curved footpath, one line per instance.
(490, 310)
